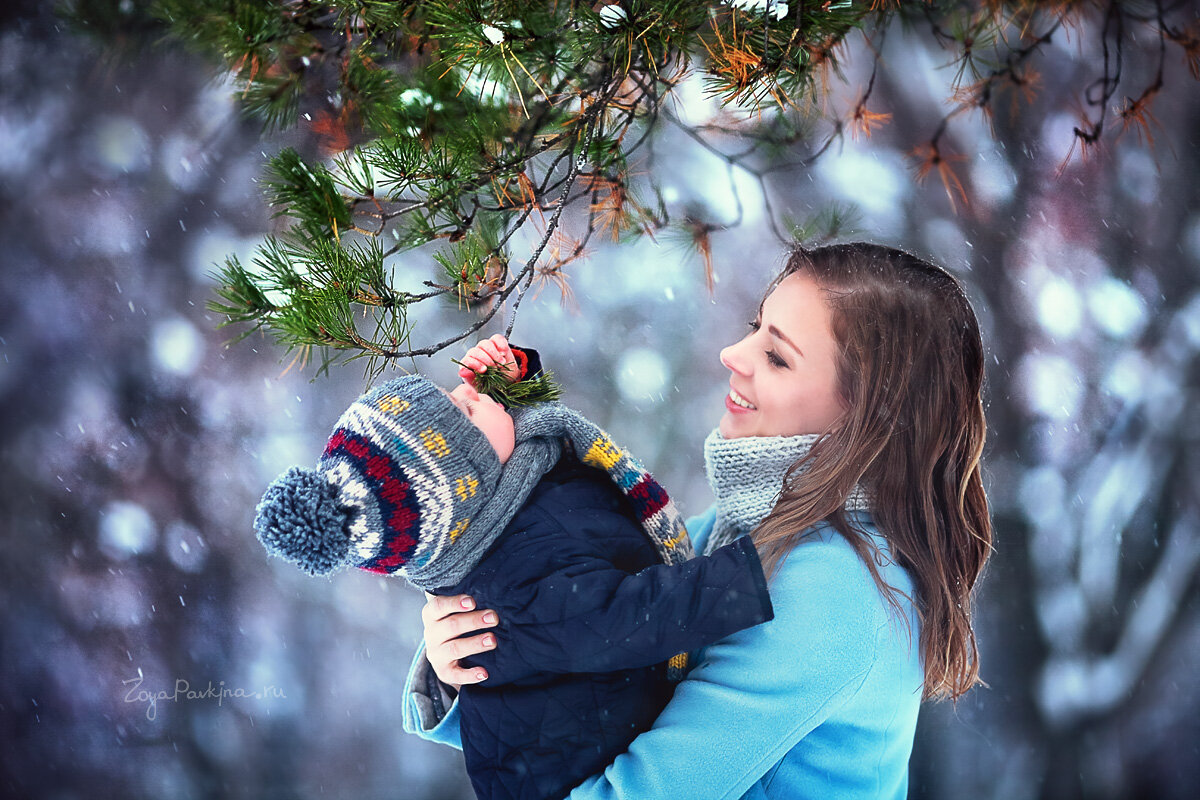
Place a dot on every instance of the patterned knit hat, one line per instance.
(402, 476)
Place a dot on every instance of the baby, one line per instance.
(536, 513)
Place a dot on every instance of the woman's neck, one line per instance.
(746, 475)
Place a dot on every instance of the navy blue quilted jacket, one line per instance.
(588, 614)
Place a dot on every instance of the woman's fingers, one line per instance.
(456, 676)
(449, 628)
(446, 659)
(447, 618)
(459, 649)
(438, 606)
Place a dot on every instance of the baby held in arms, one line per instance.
(536, 513)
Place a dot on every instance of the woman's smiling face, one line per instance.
(784, 372)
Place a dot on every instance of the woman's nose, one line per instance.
(731, 358)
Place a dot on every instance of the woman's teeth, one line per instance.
(741, 401)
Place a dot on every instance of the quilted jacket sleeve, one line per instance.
(425, 711)
(582, 614)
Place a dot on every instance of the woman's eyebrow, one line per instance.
(771, 329)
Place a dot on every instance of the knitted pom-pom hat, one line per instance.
(401, 478)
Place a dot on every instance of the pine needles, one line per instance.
(432, 133)
(540, 388)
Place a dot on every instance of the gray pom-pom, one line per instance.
(300, 520)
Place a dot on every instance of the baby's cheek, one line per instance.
(507, 443)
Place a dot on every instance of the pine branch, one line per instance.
(465, 121)
(540, 388)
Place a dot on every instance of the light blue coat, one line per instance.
(821, 702)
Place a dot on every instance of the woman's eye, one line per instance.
(754, 325)
(774, 360)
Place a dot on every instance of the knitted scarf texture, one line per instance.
(746, 475)
(540, 432)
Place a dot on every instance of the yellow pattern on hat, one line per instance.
(390, 404)
(435, 442)
(603, 453)
(459, 528)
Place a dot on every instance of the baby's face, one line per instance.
(489, 416)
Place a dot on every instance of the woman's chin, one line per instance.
(729, 428)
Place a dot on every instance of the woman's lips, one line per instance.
(737, 403)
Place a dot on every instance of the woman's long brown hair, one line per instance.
(910, 371)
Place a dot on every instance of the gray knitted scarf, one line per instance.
(746, 475)
(540, 432)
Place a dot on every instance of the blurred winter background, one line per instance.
(135, 445)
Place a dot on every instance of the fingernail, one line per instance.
(489, 618)
(481, 675)
(468, 603)
(488, 641)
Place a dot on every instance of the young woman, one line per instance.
(849, 451)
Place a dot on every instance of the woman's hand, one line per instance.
(447, 618)
(493, 352)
